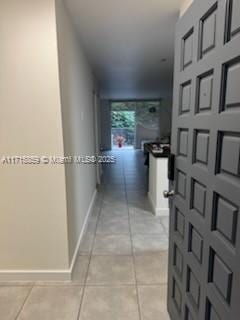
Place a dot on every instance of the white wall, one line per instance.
(185, 5)
(77, 87)
(33, 231)
(46, 99)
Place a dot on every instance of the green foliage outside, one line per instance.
(123, 119)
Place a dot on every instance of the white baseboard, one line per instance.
(34, 275)
(90, 208)
(159, 212)
(48, 275)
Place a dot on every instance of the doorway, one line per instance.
(123, 129)
(134, 123)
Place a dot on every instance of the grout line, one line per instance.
(109, 285)
(148, 254)
(80, 304)
(132, 249)
(90, 259)
(21, 309)
(136, 285)
(166, 229)
(117, 285)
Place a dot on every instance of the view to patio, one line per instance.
(134, 123)
(123, 129)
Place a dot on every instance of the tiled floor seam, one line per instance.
(90, 258)
(134, 265)
(24, 302)
(139, 284)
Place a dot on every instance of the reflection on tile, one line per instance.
(137, 195)
(112, 195)
(153, 302)
(52, 303)
(11, 301)
(146, 226)
(110, 303)
(152, 269)
(106, 213)
(141, 205)
(118, 203)
(111, 270)
(112, 244)
(114, 210)
(113, 226)
(115, 188)
(133, 187)
(149, 244)
(141, 213)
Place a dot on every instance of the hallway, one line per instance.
(127, 274)
(121, 270)
(84, 241)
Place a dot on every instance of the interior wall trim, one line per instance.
(49, 274)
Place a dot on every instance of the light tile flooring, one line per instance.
(121, 269)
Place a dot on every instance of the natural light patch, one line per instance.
(134, 120)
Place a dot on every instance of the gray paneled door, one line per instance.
(204, 259)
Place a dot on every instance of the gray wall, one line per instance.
(77, 87)
(165, 117)
(105, 124)
(147, 124)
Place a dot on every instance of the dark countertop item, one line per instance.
(158, 150)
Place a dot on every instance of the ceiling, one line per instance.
(129, 43)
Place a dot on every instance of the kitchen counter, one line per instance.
(158, 150)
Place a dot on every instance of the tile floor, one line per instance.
(121, 270)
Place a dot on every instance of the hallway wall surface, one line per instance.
(77, 89)
(105, 124)
(33, 230)
(185, 5)
(46, 99)
(152, 126)
(166, 117)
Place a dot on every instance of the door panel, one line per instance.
(204, 252)
(234, 17)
